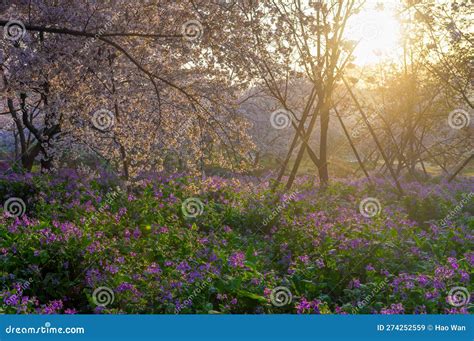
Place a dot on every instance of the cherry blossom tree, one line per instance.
(130, 82)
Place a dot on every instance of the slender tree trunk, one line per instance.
(461, 167)
(299, 157)
(361, 164)
(123, 152)
(377, 142)
(323, 148)
(299, 131)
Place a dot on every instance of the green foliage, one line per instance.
(228, 259)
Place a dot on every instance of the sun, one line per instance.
(378, 32)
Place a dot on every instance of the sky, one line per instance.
(378, 31)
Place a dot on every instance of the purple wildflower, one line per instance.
(237, 259)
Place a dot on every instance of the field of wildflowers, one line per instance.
(181, 245)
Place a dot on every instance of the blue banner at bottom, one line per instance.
(237, 327)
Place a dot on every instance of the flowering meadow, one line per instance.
(182, 245)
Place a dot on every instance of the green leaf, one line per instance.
(214, 312)
(251, 295)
